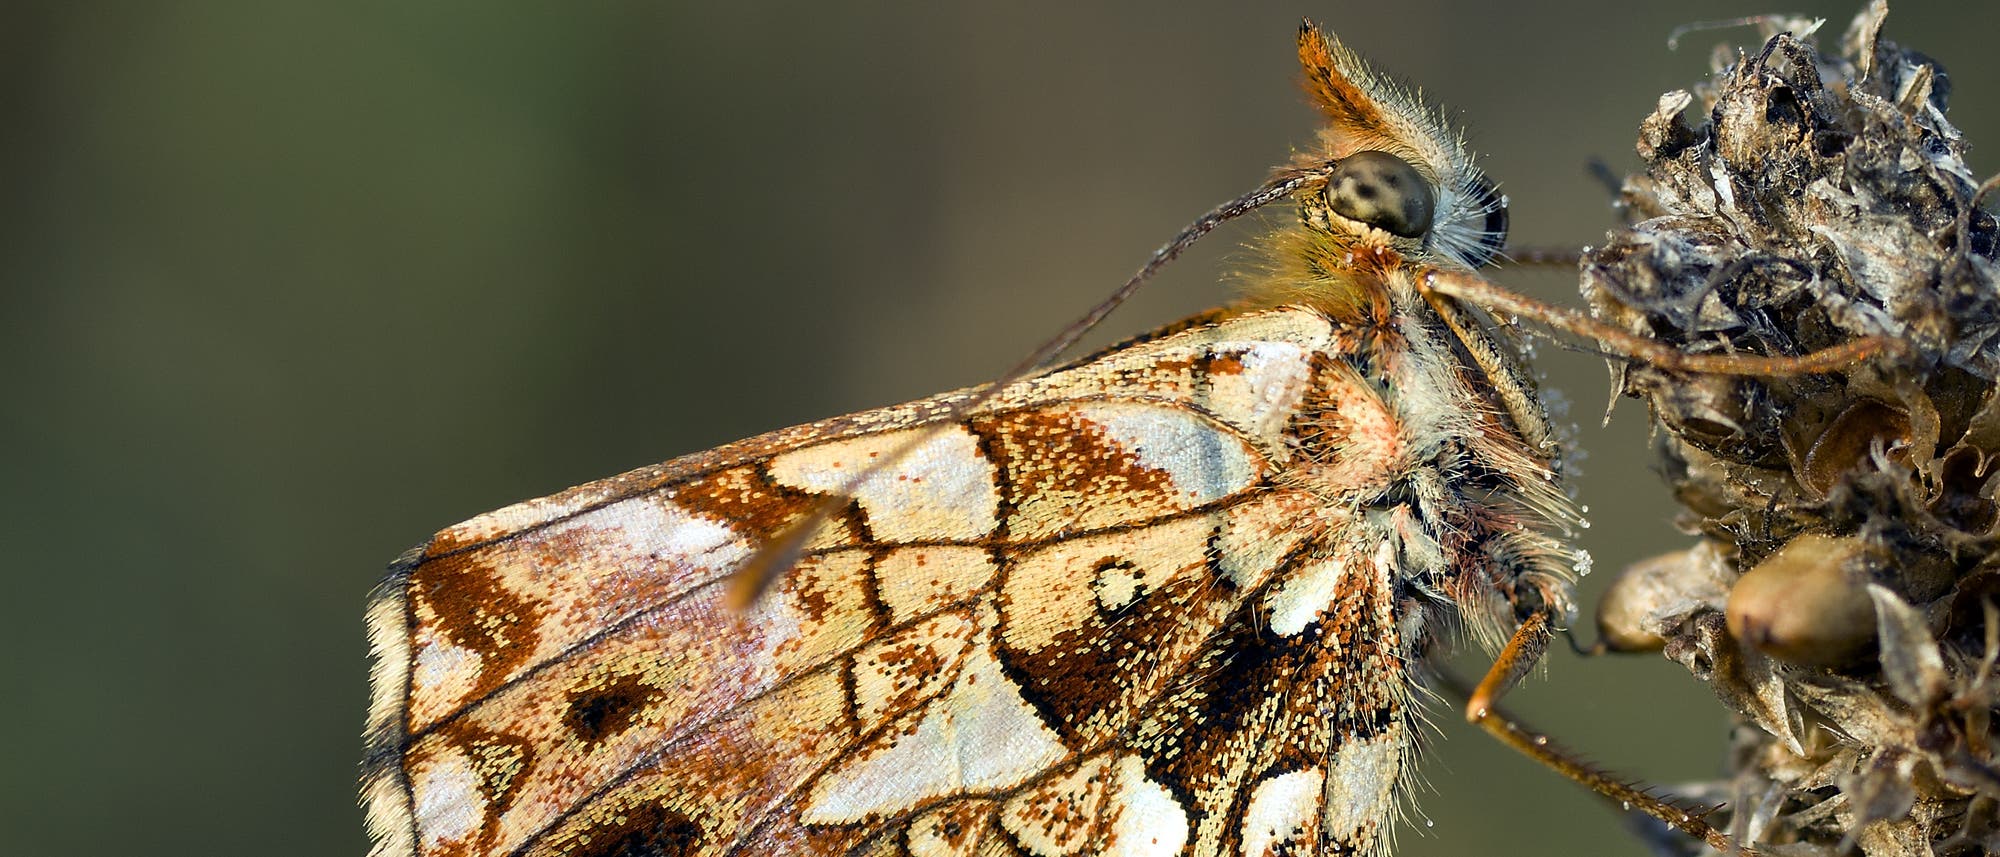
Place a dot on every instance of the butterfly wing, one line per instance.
(1281, 735)
(1051, 610)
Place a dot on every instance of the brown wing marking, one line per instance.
(1090, 465)
(960, 828)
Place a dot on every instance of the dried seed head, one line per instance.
(1961, 497)
(1650, 597)
(1723, 415)
(1866, 432)
(1803, 200)
(1808, 603)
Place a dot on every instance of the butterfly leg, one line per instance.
(1523, 651)
(1483, 293)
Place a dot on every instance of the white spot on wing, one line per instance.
(1298, 599)
(1117, 586)
(1148, 821)
(1205, 462)
(943, 489)
(445, 669)
(1363, 784)
(1282, 809)
(1260, 399)
(693, 548)
(690, 539)
(449, 806)
(980, 736)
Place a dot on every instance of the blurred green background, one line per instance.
(285, 287)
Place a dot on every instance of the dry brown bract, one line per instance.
(1842, 596)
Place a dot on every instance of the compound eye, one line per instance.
(1383, 191)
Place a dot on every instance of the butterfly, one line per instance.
(1173, 598)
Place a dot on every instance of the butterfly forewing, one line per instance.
(1095, 592)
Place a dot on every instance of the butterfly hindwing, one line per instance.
(1030, 595)
(1275, 740)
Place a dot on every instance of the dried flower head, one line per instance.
(1842, 598)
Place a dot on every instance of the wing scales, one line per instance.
(579, 640)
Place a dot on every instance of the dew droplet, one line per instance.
(1541, 740)
(1429, 823)
(1625, 805)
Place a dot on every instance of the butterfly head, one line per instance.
(1396, 175)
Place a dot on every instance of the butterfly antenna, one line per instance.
(784, 548)
(1277, 188)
